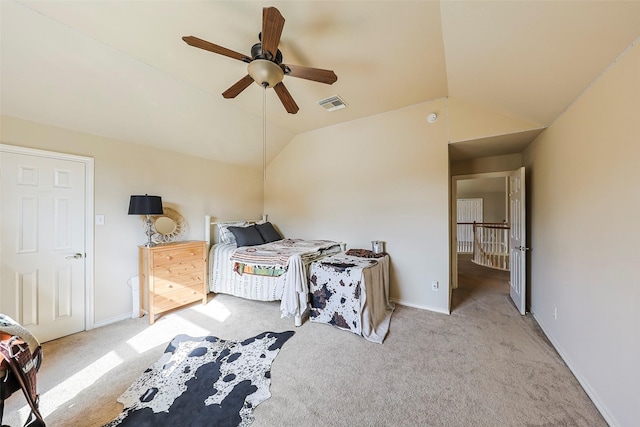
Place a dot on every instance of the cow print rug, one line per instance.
(203, 381)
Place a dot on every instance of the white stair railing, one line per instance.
(465, 237)
(491, 245)
(468, 211)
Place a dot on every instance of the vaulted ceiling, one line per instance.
(120, 69)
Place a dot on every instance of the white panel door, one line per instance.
(42, 274)
(518, 241)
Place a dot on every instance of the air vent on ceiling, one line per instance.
(332, 103)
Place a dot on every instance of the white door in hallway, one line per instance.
(42, 219)
(518, 241)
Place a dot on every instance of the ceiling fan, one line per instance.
(265, 63)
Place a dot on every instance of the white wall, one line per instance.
(193, 186)
(383, 177)
(583, 178)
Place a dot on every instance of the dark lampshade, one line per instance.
(145, 205)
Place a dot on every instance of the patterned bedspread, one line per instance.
(280, 252)
(259, 270)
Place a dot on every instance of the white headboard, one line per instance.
(211, 235)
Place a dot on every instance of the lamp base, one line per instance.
(149, 243)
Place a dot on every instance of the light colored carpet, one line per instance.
(485, 365)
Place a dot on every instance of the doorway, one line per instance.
(46, 223)
(503, 199)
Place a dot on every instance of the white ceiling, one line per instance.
(120, 68)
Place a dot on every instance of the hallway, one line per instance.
(476, 283)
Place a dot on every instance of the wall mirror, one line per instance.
(165, 225)
(168, 227)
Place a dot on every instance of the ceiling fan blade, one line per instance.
(238, 87)
(203, 44)
(308, 73)
(286, 98)
(272, 25)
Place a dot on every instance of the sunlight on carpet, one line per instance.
(214, 309)
(74, 385)
(161, 332)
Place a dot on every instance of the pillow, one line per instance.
(247, 236)
(268, 232)
(225, 235)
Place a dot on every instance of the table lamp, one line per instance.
(146, 205)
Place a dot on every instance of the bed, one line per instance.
(275, 271)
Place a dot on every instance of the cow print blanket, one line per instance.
(203, 381)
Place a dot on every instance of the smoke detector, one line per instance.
(332, 103)
(431, 118)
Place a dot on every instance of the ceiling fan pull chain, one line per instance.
(264, 138)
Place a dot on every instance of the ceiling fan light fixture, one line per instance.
(263, 71)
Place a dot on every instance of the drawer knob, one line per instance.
(169, 257)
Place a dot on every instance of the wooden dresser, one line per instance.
(172, 275)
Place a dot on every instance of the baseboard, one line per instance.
(111, 320)
(421, 307)
(608, 417)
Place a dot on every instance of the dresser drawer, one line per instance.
(177, 271)
(184, 258)
(178, 297)
(176, 282)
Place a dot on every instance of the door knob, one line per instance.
(77, 255)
